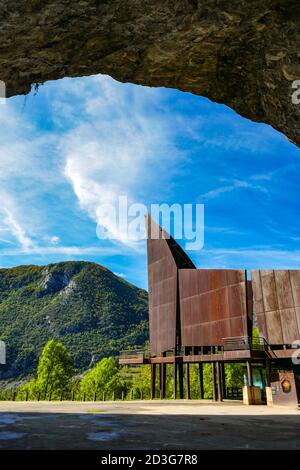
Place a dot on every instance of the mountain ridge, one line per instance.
(87, 307)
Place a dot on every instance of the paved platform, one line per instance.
(148, 425)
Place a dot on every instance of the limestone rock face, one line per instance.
(243, 53)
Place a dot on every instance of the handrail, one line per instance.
(133, 354)
(244, 342)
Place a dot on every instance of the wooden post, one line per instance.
(220, 397)
(27, 393)
(50, 396)
(142, 395)
(103, 396)
(113, 396)
(122, 395)
(38, 396)
(188, 388)
(214, 384)
(249, 374)
(95, 396)
(175, 380)
(201, 380)
(73, 396)
(153, 380)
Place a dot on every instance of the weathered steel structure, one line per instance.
(207, 316)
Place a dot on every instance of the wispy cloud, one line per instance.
(12, 222)
(81, 143)
(260, 258)
(121, 149)
(235, 185)
(66, 250)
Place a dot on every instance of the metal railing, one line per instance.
(117, 395)
(234, 393)
(136, 354)
(244, 343)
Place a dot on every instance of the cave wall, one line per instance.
(243, 53)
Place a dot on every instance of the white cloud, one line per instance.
(27, 172)
(121, 149)
(65, 250)
(54, 240)
(236, 185)
(250, 258)
(104, 141)
(120, 275)
(12, 222)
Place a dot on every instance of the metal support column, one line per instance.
(214, 382)
(180, 377)
(163, 380)
(188, 388)
(175, 380)
(201, 380)
(268, 372)
(223, 375)
(220, 397)
(249, 374)
(160, 381)
(153, 377)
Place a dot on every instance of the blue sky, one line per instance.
(78, 143)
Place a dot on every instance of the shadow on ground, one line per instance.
(96, 430)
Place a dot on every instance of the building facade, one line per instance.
(208, 316)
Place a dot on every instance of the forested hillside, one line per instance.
(91, 310)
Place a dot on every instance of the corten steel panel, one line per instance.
(277, 304)
(217, 309)
(164, 258)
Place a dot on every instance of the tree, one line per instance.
(29, 387)
(136, 381)
(54, 369)
(104, 377)
(235, 375)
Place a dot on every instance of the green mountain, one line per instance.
(91, 310)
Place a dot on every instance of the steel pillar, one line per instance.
(214, 382)
(249, 374)
(153, 380)
(201, 380)
(180, 377)
(220, 387)
(175, 380)
(188, 387)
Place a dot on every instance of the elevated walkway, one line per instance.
(237, 349)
